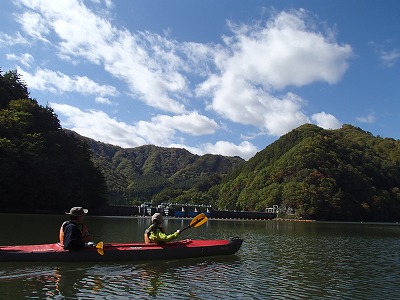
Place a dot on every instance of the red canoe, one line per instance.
(122, 252)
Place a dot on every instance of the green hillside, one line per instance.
(157, 174)
(344, 174)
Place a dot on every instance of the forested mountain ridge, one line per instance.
(343, 174)
(158, 174)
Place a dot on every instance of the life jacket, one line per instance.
(84, 230)
(158, 235)
(153, 227)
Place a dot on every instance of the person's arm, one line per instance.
(146, 239)
(73, 238)
(61, 233)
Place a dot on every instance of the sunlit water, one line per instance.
(278, 260)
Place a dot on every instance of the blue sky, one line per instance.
(223, 77)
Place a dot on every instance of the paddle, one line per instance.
(99, 248)
(197, 221)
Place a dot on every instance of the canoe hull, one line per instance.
(122, 252)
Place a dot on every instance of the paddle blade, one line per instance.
(99, 248)
(198, 220)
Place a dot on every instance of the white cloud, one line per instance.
(260, 61)
(326, 121)
(58, 83)
(245, 150)
(388, 57)
(367, 119)
(25, 59)
(107, 3)
(145, 61)
(238, 101)
(7, 40)
(33, 25)
(192, 123)
(103, 100)
(161, 130)
(99, 126)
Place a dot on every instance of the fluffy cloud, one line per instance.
(103, 100)
(146, 62)
(58, 83)
(326, 121)
(161, 130)
(245, 150)
(260, 61)
(98, 125)
(34, 25)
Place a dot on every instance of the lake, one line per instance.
(278, 260)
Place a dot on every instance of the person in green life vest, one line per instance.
(156, 233)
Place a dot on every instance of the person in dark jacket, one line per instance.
(74, 234)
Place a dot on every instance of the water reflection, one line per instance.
(151, 280)
(190, 278)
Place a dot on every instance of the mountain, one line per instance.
(157, 174)
(342, 175)
(345, 174)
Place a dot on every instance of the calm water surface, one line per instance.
(278, 260)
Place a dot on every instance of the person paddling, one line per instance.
(74, 234)
(156, 233)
